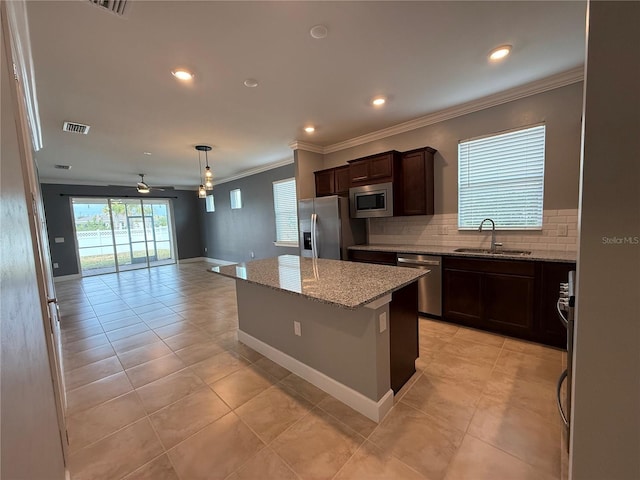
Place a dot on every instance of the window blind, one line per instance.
(286, 209)
(502, 177)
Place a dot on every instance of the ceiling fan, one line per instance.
(143, 187)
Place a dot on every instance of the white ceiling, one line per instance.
(113, 73)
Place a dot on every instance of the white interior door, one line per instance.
(39, 237)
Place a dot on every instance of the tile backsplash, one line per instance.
(442, 230)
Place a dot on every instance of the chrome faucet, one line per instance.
(493, 234)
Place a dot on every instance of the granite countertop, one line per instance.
(547, 256)
(344, 284)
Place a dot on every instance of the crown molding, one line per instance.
(309, 147)
(253, 171)
(563, 79)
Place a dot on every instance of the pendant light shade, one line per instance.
(207, 183)
(208, 174)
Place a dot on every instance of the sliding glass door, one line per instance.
(116, 234)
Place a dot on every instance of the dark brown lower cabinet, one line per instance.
(510, 297)
(508, 303)
(463, 297)
(403, 335)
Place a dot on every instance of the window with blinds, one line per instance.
(285, 205)
(502, 177)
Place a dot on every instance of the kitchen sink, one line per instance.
(489, 252)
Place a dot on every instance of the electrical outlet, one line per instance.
(55, 265)
(253, 255)
(383, 321)
(59, 239)
(296, 328)
(562, 230)
(205, 249)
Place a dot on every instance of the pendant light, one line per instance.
(202, 192)
(208, 174)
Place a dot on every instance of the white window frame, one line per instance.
(279, 241)
(235, 199)
(501, 176)
(210, 204)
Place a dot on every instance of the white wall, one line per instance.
(31, 448)
(606, 387)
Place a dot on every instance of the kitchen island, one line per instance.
(350, 329)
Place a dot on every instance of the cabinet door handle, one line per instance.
(359, 178)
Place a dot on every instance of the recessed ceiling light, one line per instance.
(251, 83)
(378, 101)
(182, 74)
(310, 129)
(318, 31)
(146, 153)
(500, 52)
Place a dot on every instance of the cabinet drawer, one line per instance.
(383, 258)
(509, 267)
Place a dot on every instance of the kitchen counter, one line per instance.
(344, 284)
(540, 255)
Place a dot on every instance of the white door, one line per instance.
(39, 236)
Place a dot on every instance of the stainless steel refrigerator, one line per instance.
(326, 228)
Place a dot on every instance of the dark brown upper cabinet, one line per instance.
(410, 172)
(325, 182)
(413, 187)
(379, 168)
(332, 181)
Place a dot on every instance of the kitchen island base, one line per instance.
(339, 350)
(344, 352)
(333, 323)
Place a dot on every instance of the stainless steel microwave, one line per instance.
(371, 201)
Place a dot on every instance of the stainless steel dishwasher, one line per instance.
(429, 286)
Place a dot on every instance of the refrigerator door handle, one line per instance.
(314, 237)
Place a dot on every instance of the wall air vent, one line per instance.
(75, 127)
(113, 6)
(62, 167)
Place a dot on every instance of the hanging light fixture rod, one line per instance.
(208, 174)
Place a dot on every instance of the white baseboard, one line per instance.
(218, 261)
(376, 411)
(66, 278)
(206, 260)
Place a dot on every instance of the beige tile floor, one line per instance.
(158, 387)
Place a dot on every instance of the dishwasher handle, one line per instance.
(419, 263)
